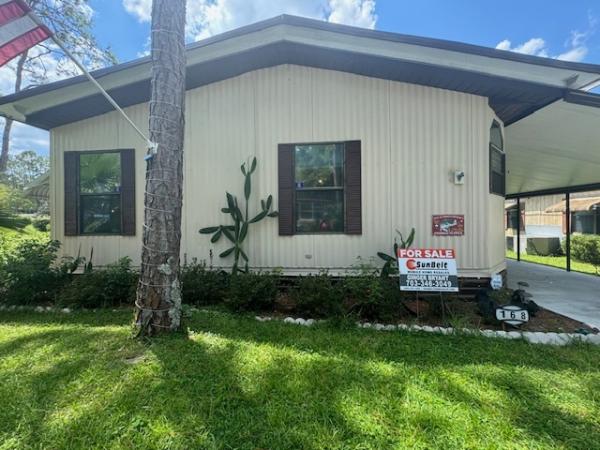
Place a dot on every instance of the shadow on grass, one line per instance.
(242, 384)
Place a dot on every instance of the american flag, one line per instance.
(19, 29)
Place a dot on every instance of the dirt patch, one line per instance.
(455, 311)
(463, 313)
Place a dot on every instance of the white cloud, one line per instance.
(209, 17)
(352, 12)
(24, 137)
(534, 46)
(574, 55)
(576, 44)
(141, 9)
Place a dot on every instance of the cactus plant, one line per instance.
(389, 266)
(238, 232)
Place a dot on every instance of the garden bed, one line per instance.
(460, 312)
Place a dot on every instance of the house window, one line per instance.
(100, 192)
(586, 222)
(497, 161)
(319, 188)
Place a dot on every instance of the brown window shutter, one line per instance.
(71, 175)
(128, 192)
(353, 188)
(286, 189)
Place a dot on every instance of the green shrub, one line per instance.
(586, 248)
(41, 224)
(27, 275)
(318, 296)
(113, 285)
(372, 297)
(252, 292)
(202, 286)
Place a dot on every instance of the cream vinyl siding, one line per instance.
(413, 138)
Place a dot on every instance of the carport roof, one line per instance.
(555, 149)
(515, 84)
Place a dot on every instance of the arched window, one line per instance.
(497, 161)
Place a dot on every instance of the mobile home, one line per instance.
(357, 133)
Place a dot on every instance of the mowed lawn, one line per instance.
(555, 261)
(79, 381)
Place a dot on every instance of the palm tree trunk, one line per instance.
(8, 123)
(159, 295)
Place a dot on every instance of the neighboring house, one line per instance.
(545, 218)
(357, 133)
(39, 189)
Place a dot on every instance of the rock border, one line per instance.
(50, 309)
(533, 337)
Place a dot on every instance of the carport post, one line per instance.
(518, 228)
(568, 231)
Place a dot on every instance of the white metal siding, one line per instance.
(413, 138)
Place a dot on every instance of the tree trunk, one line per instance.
(158, 305)
(9, 122)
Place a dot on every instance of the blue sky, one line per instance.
(552, 28)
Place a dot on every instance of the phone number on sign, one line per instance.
(429, 283)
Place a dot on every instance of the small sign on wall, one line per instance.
(448, 225)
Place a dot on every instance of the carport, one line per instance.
(555, 150)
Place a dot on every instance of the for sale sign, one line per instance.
(427, 269)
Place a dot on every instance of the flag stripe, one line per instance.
(11, 11)
(16, 28)
(21, 43)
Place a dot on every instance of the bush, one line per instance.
(41, 224)
(318, 296)
(586, 248)
(372, 297)
(27, 275)
(112, 285)
(202, 286)
(252, 292)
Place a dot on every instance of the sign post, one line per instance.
(427, 270)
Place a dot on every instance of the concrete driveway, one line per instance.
(571, 294)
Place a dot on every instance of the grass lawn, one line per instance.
(554, 261)
(68, 381)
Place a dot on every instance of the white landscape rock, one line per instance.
(534, 337)
(66, 310)
(593, 339)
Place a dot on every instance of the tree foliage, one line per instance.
(71, 21)
(25, 167)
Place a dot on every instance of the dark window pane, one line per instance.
(101, 214)
(496, 162)
(319, 165)
(319, 211)
(583, 222)
(496, 136)
(497, 171)
(100, 173)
